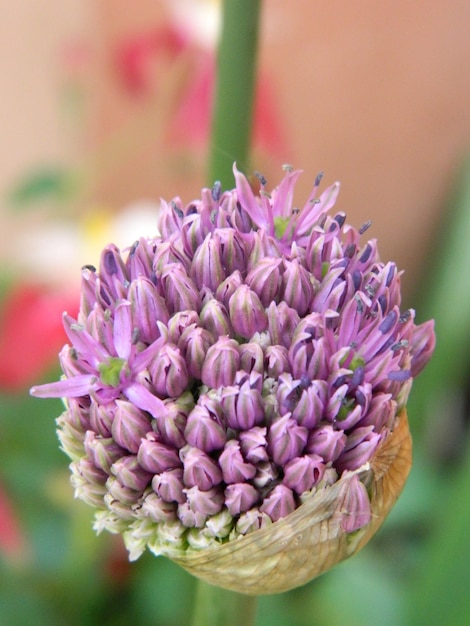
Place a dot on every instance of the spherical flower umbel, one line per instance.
(235, 387)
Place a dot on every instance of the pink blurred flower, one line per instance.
(138, 59)
(31, 333)
(12, 540)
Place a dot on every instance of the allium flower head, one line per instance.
(240, 380)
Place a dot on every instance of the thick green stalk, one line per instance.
(230, 141)
(218, 607)
(235, 83)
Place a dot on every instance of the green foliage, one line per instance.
(52, 184)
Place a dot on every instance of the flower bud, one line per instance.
(326, 442)
(130, 425)
(100, 328)
(252, 521)
(247, 314)
(198, 540)
(139, 261)
(243, 407)
(262, 247)
(112, 269)
(169, 485)
(180, 292)
(279, 503)
(234, 468)
(251, 357)
(167, 253)
(221, 363)
(354, 506)
(199, 469)
(422, 346)
(303, 472)
(88, 290)
(169, 217)
(297, 291)
(194, 344)
(265, 280)
(253, 444)
(171, 533)
(169, 373)
(170, 424)
(91, 492)
(155, 457)
(147, 308)
(359, 448)
(157, 509)
(309, 408)
(250, 364)
(276, 360)
(207, 502)
(228, 287)
(179, 322)
(125, 495)
(130, 474)
(90, 472)
(215, 319)
(380, 412)
(102, 451)
(190, 518)
(286, 439)
(206, 266)
(282, 321)
(205, 427)
(101, 418)
(239, 497)
(233, 250)
(220, 524)
(192, 232)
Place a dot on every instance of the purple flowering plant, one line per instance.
(235, 386)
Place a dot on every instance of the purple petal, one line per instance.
(87, 347)
(247, 199)
(283, 195)
(68, 388)
(145, 400)
(312, 211)
(123, 329)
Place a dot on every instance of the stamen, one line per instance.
(178, 211)
(365, 227)
(216, 191)
(366, 254)
(261, 178)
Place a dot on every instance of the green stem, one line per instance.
(235, 83)
(230, 141)
(218, 607)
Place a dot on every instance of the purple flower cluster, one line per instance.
(222, 371)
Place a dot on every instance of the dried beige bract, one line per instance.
(303, 545)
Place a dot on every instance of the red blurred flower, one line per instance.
(12, 540)
(137, 62)
(31, 333)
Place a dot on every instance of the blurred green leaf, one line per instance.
(439, 592)
(48, 183)
(445, 297)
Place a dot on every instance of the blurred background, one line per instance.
(104, 108)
